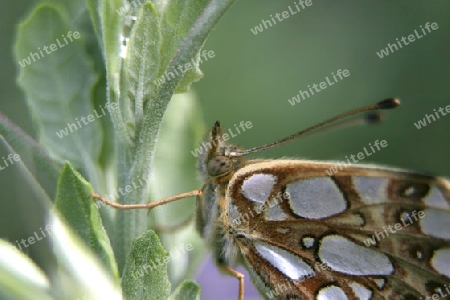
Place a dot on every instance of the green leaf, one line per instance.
(79, 273)
(141, 69)
(107, 159)
(187, 290)
(143, 59)
(112, 24)
(186, 27)
(58, 86)
(43, 168)
(38, 205)
(145, 274)
(72, 269)
(75, 204)
(155, 109)
(93, 6)
(20, 278)
(178, 18)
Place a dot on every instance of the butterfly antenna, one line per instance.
(373, 117)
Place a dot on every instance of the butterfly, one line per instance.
(363, 232)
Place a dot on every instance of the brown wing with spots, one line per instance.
(380, 233)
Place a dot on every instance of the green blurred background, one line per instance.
(252, 77)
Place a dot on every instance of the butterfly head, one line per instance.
(217, 164)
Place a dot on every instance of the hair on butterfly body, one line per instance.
(286, 219)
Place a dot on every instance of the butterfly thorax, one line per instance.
(217, 167)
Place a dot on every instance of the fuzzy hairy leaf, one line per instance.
(143, 59)
(145, 274)
(79, 273)
(44, 169)
(76, 206)
(112, 24)
(178, 18)
(58, 86)
(187, 290)
(72, 270)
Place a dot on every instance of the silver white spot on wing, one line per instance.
(436, 199)
(308, 242)
(258, 187)
(436, 223)
(316, 198)
(345, 256)
(441, 261)
(234, 214)
(409, 191)
(361, 292)
(287, 263)
(275, 213)
(380, 282)
(331, 292)
(372, 189)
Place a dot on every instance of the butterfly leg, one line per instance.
(148, 206)
(238, 276)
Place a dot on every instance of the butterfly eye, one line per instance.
(219, 165)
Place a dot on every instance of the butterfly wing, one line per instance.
(361, 233)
